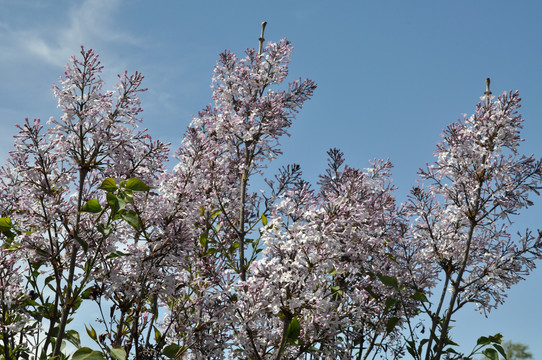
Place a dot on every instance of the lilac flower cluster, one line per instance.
(193, 263)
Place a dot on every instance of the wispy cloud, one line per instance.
(43, 35)
(37, 38)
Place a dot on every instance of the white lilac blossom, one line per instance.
(194, 263)
(464, 207)
(53, 172)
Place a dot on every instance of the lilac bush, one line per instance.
(196, 263)
(49, 191)
(464, 208)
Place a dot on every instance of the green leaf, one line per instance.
(390, 303)
(497, 338)
(85, 353)
(203, 240)
(102, 229)
(448, 341)
(294, 329)
(500, 349)
(157, 335)
(390, 325)
(233, 246)
(113, 202)
(336, 291)
(483, 340)
(215, 213)
(211, 251)
(92, 206)
(371, 292)
(137, 185)
(92, 333)
(10, 236)
(171, 351)
(31, 302)
(131, 218)
(389, 280)
(116, 254)
(73, 337)
(5, 224)
(82, 242)
(109, 185)
(491, 354)
(419, 296)
(412, 352)
(118, 353)
(127, 196)
(85, 294)
(391, 257)
(264, 220)
(121, 202)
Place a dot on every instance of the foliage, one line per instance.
(193, 263)
(516, 351)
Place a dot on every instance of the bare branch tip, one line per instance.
(261, 39)
(487, 93)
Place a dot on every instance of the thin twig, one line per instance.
(261, 39)
(487, 93)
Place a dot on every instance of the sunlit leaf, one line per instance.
(5, 224)
(92, 206)
(108, 185)
(73, 337)
(137, 185)
(131, 218)
(294, 329)
(85, 353)
(118, 353)
(92, 333)
(203, 240)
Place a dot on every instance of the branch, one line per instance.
(261, 39)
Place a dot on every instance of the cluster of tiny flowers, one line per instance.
(215, 270)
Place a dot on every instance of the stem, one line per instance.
(261, 39)
(151, 324)
(435, 316)
(286, 324)
(487, 93)
(455, 292)
(242, 233)
(73, 258)
(371, 346)
(58, 279)
(120, 326)
(5, 336)
(457, 283)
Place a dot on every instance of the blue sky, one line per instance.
(391, 75)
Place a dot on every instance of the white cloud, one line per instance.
(43, 36)
(37, 38)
